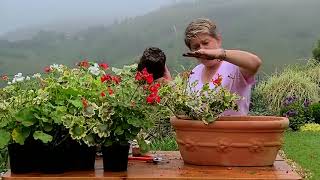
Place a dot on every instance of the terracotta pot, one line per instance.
(230, 140)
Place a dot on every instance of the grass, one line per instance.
(164, 144)
(304, 149)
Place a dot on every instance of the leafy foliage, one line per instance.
(311, 127)
(290, 82)
(205, 105)
(315, 109)
(297, 111)
(93, 104)
(316, 52)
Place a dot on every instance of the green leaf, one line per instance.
(144, 147)
(61, 108)
(117, 71)
(135, 122)
(206, 87)
(44, 119)
(59, 102)
(76, 103)
(77, 132)
(47, 127)
(70, 91)
(118, 131)
(58, 114)
(26, 117)
(4, 138)
(20, 134)
(45, 138)
(68, 120)
(89, 140)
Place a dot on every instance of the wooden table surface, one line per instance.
(171, 168)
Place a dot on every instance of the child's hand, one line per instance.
(208, 54)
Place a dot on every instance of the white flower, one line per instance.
(38, 75)
(18, 78)
(54, 66)
(27, 78)
(94, 69)
(9, 83)
(57, 67)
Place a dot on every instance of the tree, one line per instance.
(316, 52)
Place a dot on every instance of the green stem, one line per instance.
(134, 93)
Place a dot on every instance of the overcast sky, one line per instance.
(25, 13)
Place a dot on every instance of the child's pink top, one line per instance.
(233, 80)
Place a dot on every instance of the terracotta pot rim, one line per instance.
(238, 118)
(235, 123)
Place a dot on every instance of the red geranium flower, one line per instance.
(84, 102)
(149, 79)
(110, 91)
(149, 99)
(85, 63)
(153, 97)
(217, 81)
(139, 76)
(104, 66)
(116, 79)
(47, 69)
(154, 88)
(5, 77)
(105, 77)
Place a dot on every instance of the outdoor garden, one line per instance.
(59, 118)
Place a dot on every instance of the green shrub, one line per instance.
(258, 106)
(315, 109)
(297, 111)
(289, 83)
(3, 159)
(312, 127)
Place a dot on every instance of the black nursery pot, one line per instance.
(25, 158)
(54, 159)
(115, 157)
(81, 157)
(35, 156)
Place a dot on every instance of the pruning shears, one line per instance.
(149, 159)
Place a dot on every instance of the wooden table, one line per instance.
(171, 168)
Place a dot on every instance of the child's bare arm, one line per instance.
(248, 62)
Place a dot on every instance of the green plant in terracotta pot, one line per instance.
(206, 136)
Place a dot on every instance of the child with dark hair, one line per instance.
(154, 60)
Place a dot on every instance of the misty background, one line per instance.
(17, 14)
(36, 33)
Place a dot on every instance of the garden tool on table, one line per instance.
(146, 158)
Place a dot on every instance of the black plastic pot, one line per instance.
(35, 156)
(115, 157)
(54, 159)
(25, 158)
(81, 157)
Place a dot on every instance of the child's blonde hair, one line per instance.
(198, 26)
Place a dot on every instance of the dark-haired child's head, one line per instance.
(154, 60)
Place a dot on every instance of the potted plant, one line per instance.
(127, 103)
(206, 137)
(35, 123)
